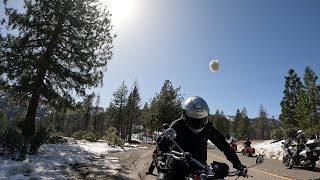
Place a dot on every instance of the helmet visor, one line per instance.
(196, 123)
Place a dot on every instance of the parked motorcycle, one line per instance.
(195, 169)
(307, 157)
(248, 151)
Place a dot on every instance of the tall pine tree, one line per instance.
(169, 103)
(52, 50)
(133, 107)
(119, 101)
(262, 124)
(308, 105)
(289, 101)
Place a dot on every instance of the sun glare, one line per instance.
(122, 10)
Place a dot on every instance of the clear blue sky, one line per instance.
(256, 42)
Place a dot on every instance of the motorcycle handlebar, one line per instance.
(177, 153)
(180, 157)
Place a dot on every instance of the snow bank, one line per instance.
(270, 149)
(52, 160)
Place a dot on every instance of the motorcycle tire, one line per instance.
(286, 160)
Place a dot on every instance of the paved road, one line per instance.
(269, 170)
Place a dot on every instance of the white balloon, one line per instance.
(214, 65)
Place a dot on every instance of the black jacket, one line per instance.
(196, 144)
(247, 143)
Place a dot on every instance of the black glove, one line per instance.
(242, 170)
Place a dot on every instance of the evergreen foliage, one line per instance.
(244, 125)
(133, 109)
(119, 101)
(221, 123)
(308, 105)
(289, 101)
(262, 123)
(54, 49)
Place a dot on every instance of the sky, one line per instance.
(255, 41)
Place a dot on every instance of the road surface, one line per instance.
(270, 169)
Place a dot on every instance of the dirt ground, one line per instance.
(129, 165)
(132, 165)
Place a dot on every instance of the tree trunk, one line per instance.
(130, 126)
(29, 122)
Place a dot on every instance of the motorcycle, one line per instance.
(233, 144)
(307, 157)
(197, 170)
(248, 151)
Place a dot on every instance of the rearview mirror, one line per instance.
(170, 134)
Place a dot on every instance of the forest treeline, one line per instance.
(127, 115)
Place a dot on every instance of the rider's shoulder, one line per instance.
(177, 123)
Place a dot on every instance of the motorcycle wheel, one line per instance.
(286, 160)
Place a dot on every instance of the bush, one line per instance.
(112, 138)
(78, 135)
(15, 146)
(11, 142)
(90, 137)
(118, 141)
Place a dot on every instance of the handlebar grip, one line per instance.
(177, 153)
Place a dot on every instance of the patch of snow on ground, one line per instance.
(270, 149)
(53, 160)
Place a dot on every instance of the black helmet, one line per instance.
(195, 112)
(165, 126)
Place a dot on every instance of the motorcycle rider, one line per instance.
(246, 144)
(158, 149)
(193, 130)
(300, 141)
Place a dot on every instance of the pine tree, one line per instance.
(235, 124)
(96, 111)
(308, 105)
(111, 116)
(119, 101)
(145, 116)
(52, 50)
(262, 123)
(87, 106)
(133, 108)
(169, 103)
(244, 125)
(221, 123)
(290, 99)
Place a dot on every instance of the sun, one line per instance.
(122, 10)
